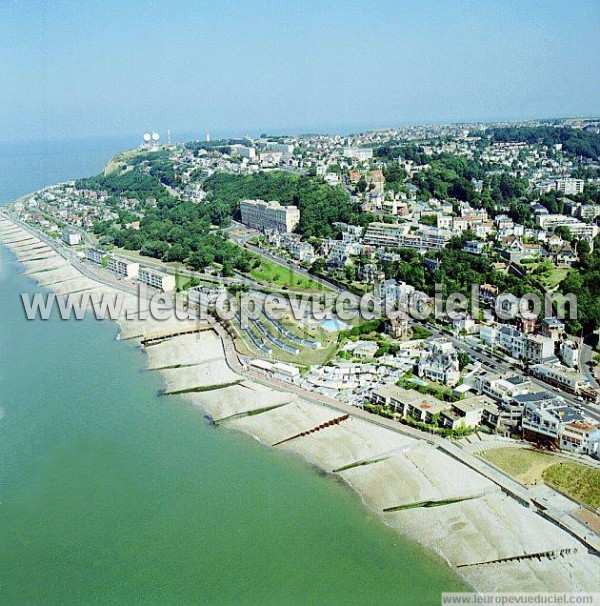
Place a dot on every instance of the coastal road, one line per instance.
(242, 239)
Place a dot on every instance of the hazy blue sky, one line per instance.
(77, 69)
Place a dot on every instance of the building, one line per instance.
(556, 375)
(394, 292)
(511, 341)
(439, 362)
(545, 416)
(538, 348)
(243, 151)
(205, 296)
(358, 153)
(402, 236)
(502, 389)
(540, 419)
(552, 328)
(277, 370)
(125, 269)
(302, 251)
(563, 254)
(282, 148)
(70, 237)
(586, 211)
(580, 437)
(425, 409)
(121, 267)
(428, 409)
(95, 255)
(475, 247)
(397, 328)
(466, 413)
(530, 347)
(364, 349)
(463, 323)
(155, 279)
(569, 187)
(578, 229)
(269, 215)
(391, 395)
(569, 352)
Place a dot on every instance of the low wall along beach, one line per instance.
(493, 540)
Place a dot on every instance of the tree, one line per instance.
(564, 232)
(463, 360)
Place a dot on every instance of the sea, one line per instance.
(113, 494)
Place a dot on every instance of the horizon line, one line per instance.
(314, 130)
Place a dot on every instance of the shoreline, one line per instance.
(490, 539)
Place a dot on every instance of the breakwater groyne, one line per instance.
(483, 525)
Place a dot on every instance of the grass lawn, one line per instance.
(552, 280)
(278, 275)
(580, 482)
(525, 466)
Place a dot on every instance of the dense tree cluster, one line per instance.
(178, 232)
(393, 150)
(131, 184)
(449, 177)
(574, 141)
(584, 283)
(320, 204)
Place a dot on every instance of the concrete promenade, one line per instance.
(497, 532)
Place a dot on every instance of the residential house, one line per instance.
(439, 362)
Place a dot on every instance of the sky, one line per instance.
(73, 69)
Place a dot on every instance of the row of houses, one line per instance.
(542, 416)
(409, 403)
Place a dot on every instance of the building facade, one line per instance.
(262, 215)
(155, 279)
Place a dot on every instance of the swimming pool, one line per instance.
(333, 325)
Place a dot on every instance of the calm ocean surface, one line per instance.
(112, 494)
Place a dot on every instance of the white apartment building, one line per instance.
(123, 268)
(155, 279)
(581, 437)
(401, 236)
(569, 353)
(243, 151)
(282, 148)
(560, 377)
(503, 389)
(587, 211)
(269, 215)
(302, 251)
(95, 255)
(579, 229)
(394, 292)
(358, 153)
(549, 418)
(70, 237)
(569, 187)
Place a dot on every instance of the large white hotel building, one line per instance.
(269, 215)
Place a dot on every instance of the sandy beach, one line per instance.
(492, 540)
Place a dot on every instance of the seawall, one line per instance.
(411, 481)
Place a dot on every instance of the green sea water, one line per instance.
(110, 493)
